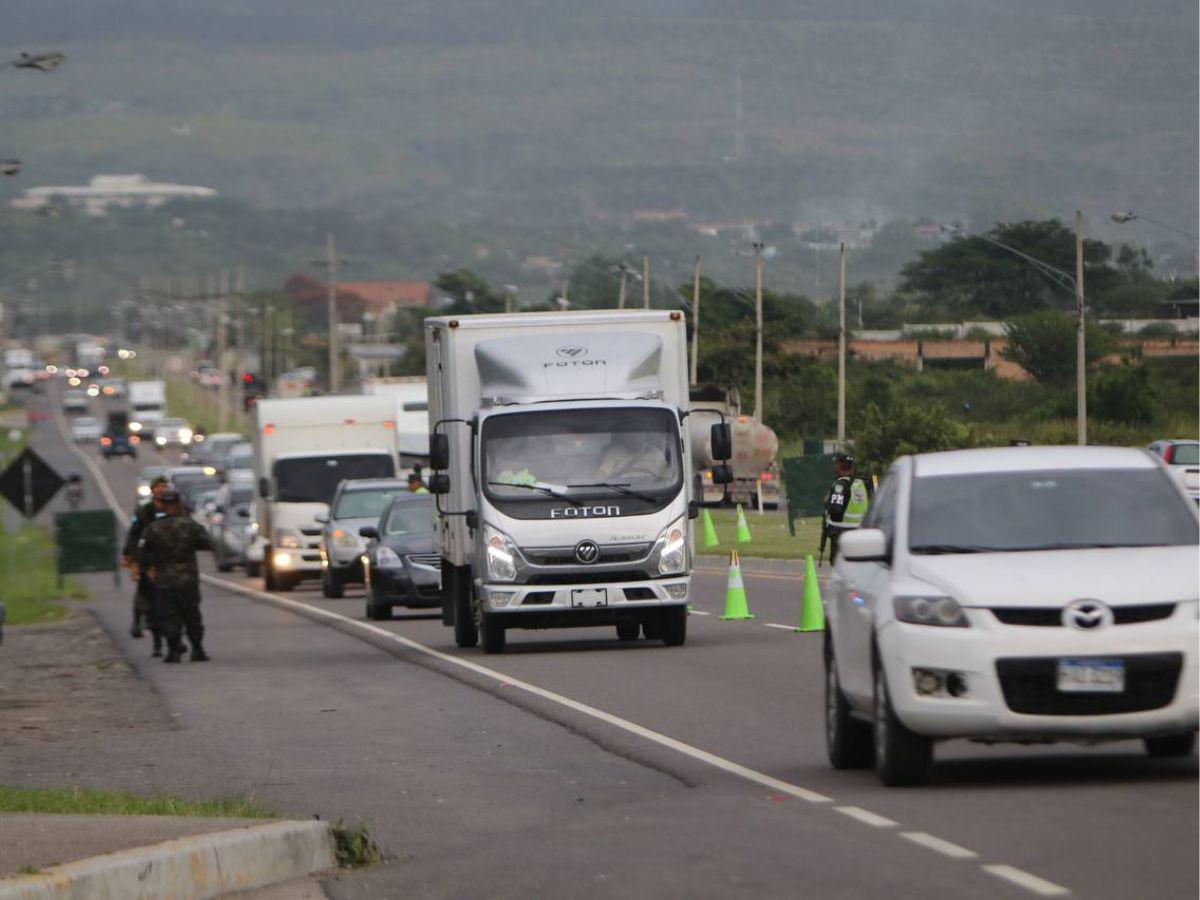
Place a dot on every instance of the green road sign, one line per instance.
(86, 541)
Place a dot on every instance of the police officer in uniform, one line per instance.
(416, 484)
(168, 552)
(846, 503)
(144, 603)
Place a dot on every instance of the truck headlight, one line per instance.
(287, 540)
(185, 435)
(386, 556)
(941, 611)
(501, 555)
(161, 440)
(135, 427)
(672, 543)
(344, 539)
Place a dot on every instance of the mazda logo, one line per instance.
(1087, 615)
(587, 552)
(573, 352)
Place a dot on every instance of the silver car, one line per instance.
(86, 430)
(355, 504)
(233, 529)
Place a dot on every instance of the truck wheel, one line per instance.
(491, 629)
(377, 612)
(848, 741)
(1169, 745)
(332, 584)
(253, 569)
(269, 583)
(627, 631)
(466, 634)
(901, 757)
(652, 628)
(223, 566)
(674, 626)
(284, 583)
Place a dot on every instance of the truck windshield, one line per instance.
(1062, 509)
(314, 479)
(582, 454)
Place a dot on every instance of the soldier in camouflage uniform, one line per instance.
(145, 607)
(168, 552)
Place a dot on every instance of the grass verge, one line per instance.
(28, 581)
(769, 535)
(189, 401)
(80, 801)
(353, 846)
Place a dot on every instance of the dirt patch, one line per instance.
(65, 680)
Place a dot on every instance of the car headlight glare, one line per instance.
(143, 489)
(161, 441)
(135, 426)
(386, 556)
(501, 555)
(344, 539)
(672, 544)
(939, 611)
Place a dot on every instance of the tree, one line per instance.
(1043, 344)
(904, 428)
(1125, 394)
(471, 294)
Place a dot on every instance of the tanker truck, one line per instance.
(755, 447)
(561, 460)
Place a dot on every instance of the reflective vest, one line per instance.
(856, 509)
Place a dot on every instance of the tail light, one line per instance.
(106, 441)
(767, 476)
(268, 429)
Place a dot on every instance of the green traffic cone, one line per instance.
(710, 533)
(735, 593)
(743, 530)
(812, 613)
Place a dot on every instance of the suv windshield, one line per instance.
(415, 517)
(585, 453)
(366, 503)
(1047, 510)
(314, 479)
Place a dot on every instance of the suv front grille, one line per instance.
(1030, 686)
(431, 560)
(1052, 618)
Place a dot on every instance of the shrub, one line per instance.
(1124, 394)
(906, 428)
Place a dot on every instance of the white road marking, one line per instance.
(697, 612)
(937, 845)
(1039, 886)
(773, 625)
(866, 816)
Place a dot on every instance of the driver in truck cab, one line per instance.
(630, 451)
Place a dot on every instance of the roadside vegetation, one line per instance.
(198, 406)
(82, 801)
(770, 538)
(28, 580)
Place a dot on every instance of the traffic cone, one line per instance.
(735, 593)
(743, 530)
(710, 533)
(812, 613)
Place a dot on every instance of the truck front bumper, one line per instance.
(528, 604)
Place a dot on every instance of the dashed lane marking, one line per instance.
(937, 845)
(866, 816)
(698, 612)
(1039, 886)
(774, 625)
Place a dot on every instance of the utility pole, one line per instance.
(566, 292)
(335, 375)
(696, 321)
(645, 282)
(1080, 342)
(239, 295)
(841, 397)
(223, 349)
(758, 329)
(621, 291)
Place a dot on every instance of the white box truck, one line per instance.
(147, 402)
(303, 448)
(411, 396)
(562, 469)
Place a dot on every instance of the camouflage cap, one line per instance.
(159, 479)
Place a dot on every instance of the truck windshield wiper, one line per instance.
(620, 487)
(557, 491)
(936, 549)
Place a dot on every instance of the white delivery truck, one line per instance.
(411, 396)
(562, 472)
(147, 401)
(303, 448)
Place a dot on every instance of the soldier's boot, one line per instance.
(158, 642)
(174, 651)
(196, 639)
(135, 630)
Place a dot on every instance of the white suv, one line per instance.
(1014, 594)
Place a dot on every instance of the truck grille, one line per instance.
(1030, 686)
(1052, 618)
(565, 556)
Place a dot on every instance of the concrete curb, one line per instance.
(191, 868)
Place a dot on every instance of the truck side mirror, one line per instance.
(439, 483)
(721, 473)
(264, 487)
(439, 451)
(693, 509)
(722, 443)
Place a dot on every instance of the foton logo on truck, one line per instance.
(584, 512)
(572, 355)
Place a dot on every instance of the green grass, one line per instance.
(80, 801)
(189, 401)
(769, 535)
(28, 582)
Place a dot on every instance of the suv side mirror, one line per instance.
(722, 442)
(370, 532)
(264, 487)
(721, 473)
(863, 545)
(439, 451)
(439, 483)
(321, 518)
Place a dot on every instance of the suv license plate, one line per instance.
(590, 597)
(1101, 676)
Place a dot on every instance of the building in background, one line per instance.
(104, 191)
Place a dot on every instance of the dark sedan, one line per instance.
(401, 568)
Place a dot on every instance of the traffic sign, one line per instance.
(28, 483)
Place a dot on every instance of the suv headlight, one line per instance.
(386, 556)
(672, 548)
(941, 611)
(501, 555)
(343, 538)
(287, 540)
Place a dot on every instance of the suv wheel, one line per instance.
(332, 583)
(848, 741)
(901, 757)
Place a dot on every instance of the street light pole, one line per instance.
(758, 332)
(841, 395)
(1080, 339)
(335, 375)
(645, 282)
(621, 290)
(696, 321)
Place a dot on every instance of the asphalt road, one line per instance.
(729, 795)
